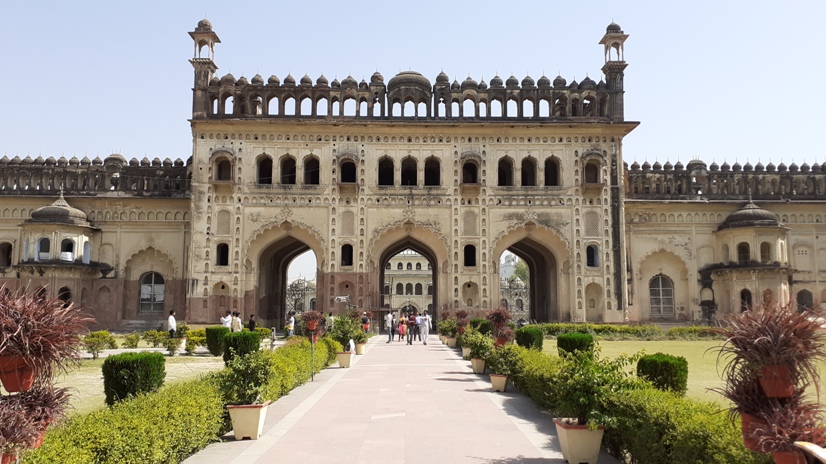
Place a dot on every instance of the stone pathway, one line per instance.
(398, 404)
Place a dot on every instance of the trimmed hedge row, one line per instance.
(574, 341)
(215, 339)
(128, 374)
(240, 343)
(530, 337)
(623, 332)
(664, 371)
(179, 420)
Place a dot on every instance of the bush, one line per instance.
(692, 333)
(530, 337)
(448, 327)
(344, 328)
(482, 325)
(290, 365)
(332, 348)
(575, 341)
(215, 339)
(128, 374)
(264, 332)
(182, 331)
(173, 345)
(665, 372)
(240, 343)
(480, 345)
(96, 342)
(163, 427)
(536, 370)
(155, 337)
(190, 346)
(244, 378)
(505, 360)
(131, 340)
(606, 331)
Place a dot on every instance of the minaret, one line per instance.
(203, 36)
(614, 69)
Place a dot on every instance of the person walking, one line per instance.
(365, 322)
(290, 327)
(236, 322)
(402, 326)
(226, 320)
(251, 323)
(426, 325)
(411, 327)
(418, 327)
(172, 325)
(389, 325)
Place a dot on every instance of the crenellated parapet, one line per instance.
(727, 182)
(75, 176)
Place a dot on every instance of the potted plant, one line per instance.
(499, 318)
(462, 320)
(503, 361)
(783, 424)
(242, 383)
(345, 328)
(451, 330)
(17, 432)
(312, 319)
(583, 381)
(480, 348)
(361, 341)
(743, 389)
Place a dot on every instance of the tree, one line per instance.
(521, 271)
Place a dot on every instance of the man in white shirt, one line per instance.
(171, 324)
(389, 323)
(226, 320)
(427, 324)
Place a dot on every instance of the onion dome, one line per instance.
(204, 25)
(646, 166)
(528, 82)
(455, 85)
(335, 84)
(167, 162)
(543, 82)
(273, 80)
(748, 167)
(804, 167)
(377, 78)
(59, 212)
(512, 82)
(322, 81)
(601, 85)
(289, 80)
(678, 166)
(573, 85)
(115, 158)
(179, 163)
(62, 161)
(737, 167)
(214, 82)
(560, 82)
(409, 79)
(134, 162)
(27, 160)
(189, 161)
(657, 166)
(74, 161)
(363, 85)
(97, 161)
(668, 166)
(613, 28)
(749, 215)
(229, 79)
(257, 80)
(781, 167)
(483, 85)
(306, 80)
(635, 166)
(469, 83)
(39, 160)
(242, 81)
(759, 167)
(725, 167)
(496, 82)
(4, 160)
(349, 81)
(156, 162)
(792, 167)
(442, 78)
(15, 160)
(587, 83)
(145, 161)
(770, 167)
(714, 167)
(815, 167)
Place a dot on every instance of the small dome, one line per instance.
(39, 160)
(560, 82)
(678, 166)
(543, 81)
(483, 85)
(512, 82)
(613, 28)
(587, 83)
(15, 160)
(455, 85)
(115, 158)
(573, 85)
(289, 80)
(749, 215)
(748, 167)
(635, 166)
(62, 161)
(804, 167)
(646, 166)
(759, 167)
(27, 160)
(214, 82)
(725, 167)
(781, 167)
(696, 164)
(85, 161)
(229, 79)
(668, 166)
(335, 84)
(377, 78)
(74, 161)
(793, 167)
(257, 80)
(273, 80)
(600, 85)
(517, 283)
(442, 78)
(815, 167)
(97, 161)
(145, 162)
(167, 162)
(657, 166)
(156, 162)
(528, 82)
(59, 212)
(349, 81)
(469, 83)
(242, 81)
(496, 82)
(179, 162)
(204, 25)
(363, 85)
(306, 80)
(134, 162)
(409, 79)
(737, 167)
(714, 167)
(322, 81)
(4, 160)
(770, 167)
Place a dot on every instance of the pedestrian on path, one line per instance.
(330, 321)
(365, 322)
(226, 320)
(290, 326)
(418, 326)
(426, 325)
(411, 327)
(402, 326)
(172, 325)
(389, 325)
(251, 323)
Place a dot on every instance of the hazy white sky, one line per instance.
(718, 80)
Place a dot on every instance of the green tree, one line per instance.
(521, 271)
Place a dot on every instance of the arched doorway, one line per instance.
(273, 280)
(805, 301)
(419, 284)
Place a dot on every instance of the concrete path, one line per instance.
(398, 404)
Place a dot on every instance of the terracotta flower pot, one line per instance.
(7, 458)
(15, 374)
(788, 457)
(776, 380)
(312, 325)
(749, 424)
(501, 341)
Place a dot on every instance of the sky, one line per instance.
(715, 80)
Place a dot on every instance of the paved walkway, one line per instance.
(398, 404)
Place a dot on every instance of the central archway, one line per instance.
(410, 243)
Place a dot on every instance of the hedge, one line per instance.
(128, 374)
(575, 341)
(215, 339)
(664, 371)
(240, 343)
(530, 337)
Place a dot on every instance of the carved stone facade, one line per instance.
(359, 172)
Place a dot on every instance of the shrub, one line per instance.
(128, 374)
(190, 346)
(482, 325)
(264, 332)
(240, 343)
(182, 331)
(332, 348)
(96, 342)
(530, 337)
(574, 341)
(606, 331)
(173, 345)
(505, 360)
(345, 328)
(244, 378)
(480, 345)
(692, 333)
(196, 334)
(131, 340)
(215, 339)
(664, 371)
(448, 327)
(536, 370)
(155, 337)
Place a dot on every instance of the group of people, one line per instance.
(232, 321)
(410, 324)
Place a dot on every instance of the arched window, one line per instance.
(418, 266)
(519, 304)
(387, 289)
(64, 295)
(418, 289)
(152, 293)
(409, 172)
(661, 296)
(745, 300)
(399, 289)
(592, 172)
(592, 256)
(470, 173)
(223, 170)
(387, 266)
(222, 255)
(386, 172)
(408, 289)
(43, 250)
(409, 266)
(505, 170)
(67, 250)
(430, 290)
(347, 255)
(5, 254)
(400, 266)
(312, 304)
(805, 301)
(348, 172)
(551, 173)
(432, 172)
(743, 253)
(288, 170)
(470, 256)
(429, 266)
(312, 171)
(528, 173)
(504, 303)
(765, 252)
(265, 171)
